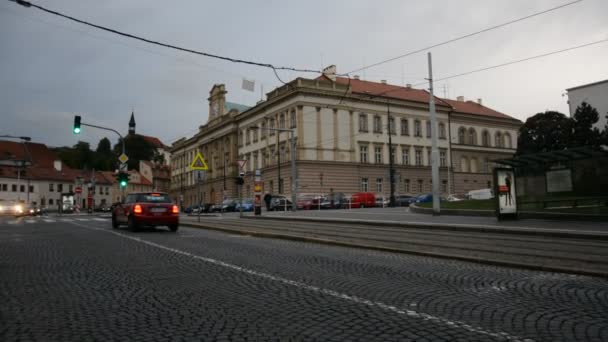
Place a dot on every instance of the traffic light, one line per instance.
(77, 124)
(123, 179)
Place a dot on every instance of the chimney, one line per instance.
(408, 85)
(479, 101)
(383, 81)
(460, 98)
(356, 77)
(57, 165)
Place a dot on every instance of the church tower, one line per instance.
(132, 124)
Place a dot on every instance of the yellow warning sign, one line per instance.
(199, 163)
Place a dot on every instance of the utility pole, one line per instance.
(391, 158)
(434, 150)
(279, 160)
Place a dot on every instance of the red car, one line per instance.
(363, 200)
(146, 209)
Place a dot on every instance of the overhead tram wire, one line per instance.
(170, 46)
(465, 36)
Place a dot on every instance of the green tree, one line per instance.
(105, 159)
(544, 132)
(137, 148)
(583, 132)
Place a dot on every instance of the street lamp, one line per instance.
(22, 164)
(294, 186)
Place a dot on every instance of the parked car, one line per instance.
(321, 202)
(146, 208)
(403, 200)
(382, 202)
(228, 205)
(305, 202)
(453, 198)
(480, 194)
(247, 205)
(424, 198)
(336, 200)
(363, 200)
(280, 203)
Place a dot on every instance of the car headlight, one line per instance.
(18, 208)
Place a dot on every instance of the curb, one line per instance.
(486, 261)
(455, 227)
(458, 212)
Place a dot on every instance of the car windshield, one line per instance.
(153, 198)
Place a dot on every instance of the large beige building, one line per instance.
(342, 138)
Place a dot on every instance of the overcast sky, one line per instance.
(51, 69)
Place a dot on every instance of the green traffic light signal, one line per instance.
(77, 124)
(123, 183)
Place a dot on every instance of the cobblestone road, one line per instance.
(79, 280)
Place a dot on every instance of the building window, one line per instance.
(418, 157)
(255, 161)
(486, 165)
(255, 134)
(107, 190)
(405, 155)
(406, 186)
(442, 158)
(417, 128)
(391, 125)
(429, 157)
(377, 124)
(241, 139)
(441, 130)
(50, 201)
(472, 136)
(379, 185)
(498, 139)
(473, 165)
(444, 186)
(59, 187)
(363, 154)
(461, 134)
(31, 188)
(507, 140)
(264, 131)
(364, 185)
(21, 188)
(292, 119)
(464, 164)
(247, 137)
(4, 187)
(51, 187)
(392, 154)
(405, 127)
(420, 186)
(363, 122)
(282, 121)
(485, 138)
(428, 129)
(70, 188)
(378, 154)
(271, 126)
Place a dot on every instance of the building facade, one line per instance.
(596, 95)
(341, 130)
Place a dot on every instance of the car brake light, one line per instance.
(137, 209)
(175, 210)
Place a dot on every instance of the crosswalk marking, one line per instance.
(48, 220)
(30, 221)
(99, 219)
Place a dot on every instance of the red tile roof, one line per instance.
(154, 141)
(41, 155)
(375, 89)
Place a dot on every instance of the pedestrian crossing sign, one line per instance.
(199, 164)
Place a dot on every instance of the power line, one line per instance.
(517, 61)
(466, 36)
(128, 35)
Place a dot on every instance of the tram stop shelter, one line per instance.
(572, 182)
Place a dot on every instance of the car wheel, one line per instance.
(173, 227)
(114, 222)
(132, 224)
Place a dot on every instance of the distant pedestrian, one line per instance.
(267, 199)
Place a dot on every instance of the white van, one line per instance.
(480, 194)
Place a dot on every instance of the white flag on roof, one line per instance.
(248, 84)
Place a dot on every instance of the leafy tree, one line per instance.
(583, 133)
(105, 159)
(137, 148)
(544, 132)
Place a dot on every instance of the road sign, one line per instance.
(78, 190)
(123, 167)
(123, 158)
(242, 163)
(199, 163)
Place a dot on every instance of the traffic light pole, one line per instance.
(122, 139)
